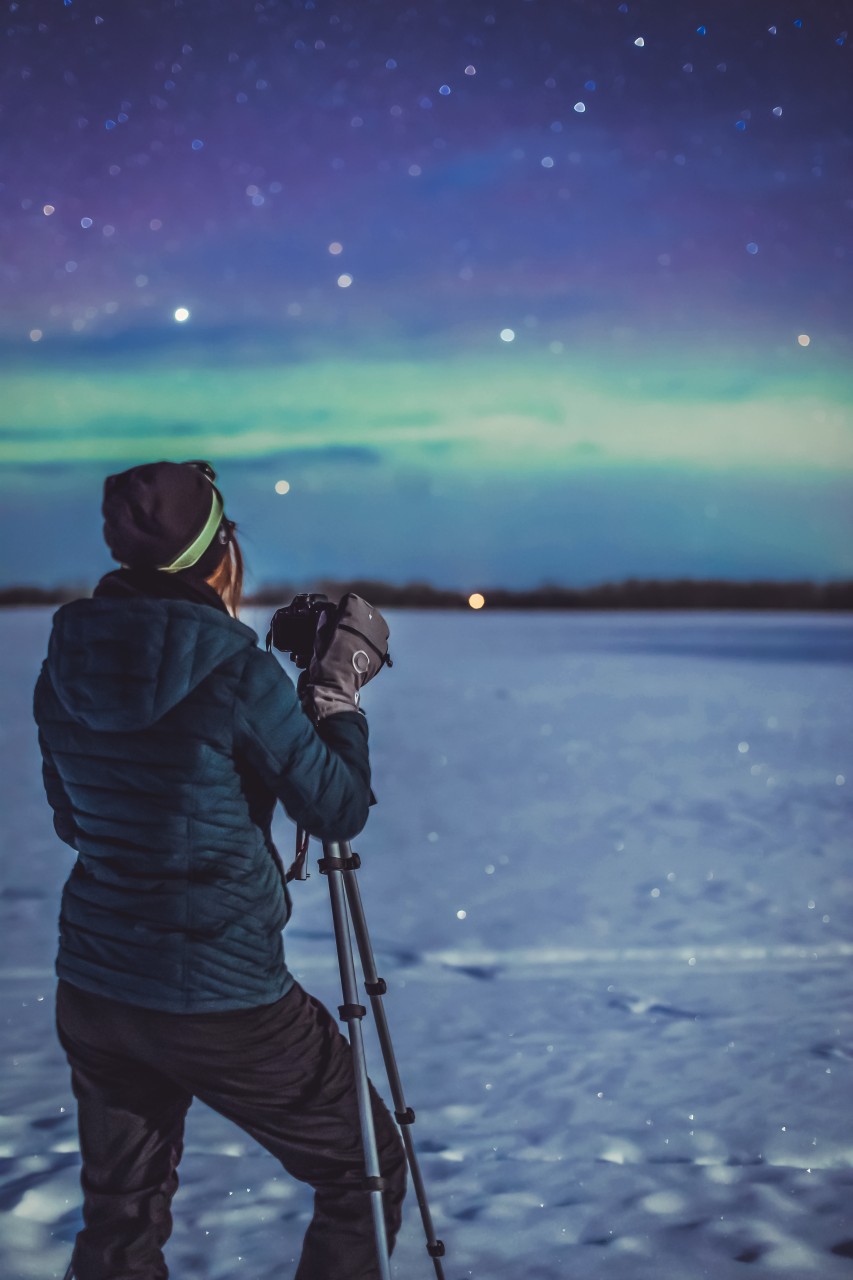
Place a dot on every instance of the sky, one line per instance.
(474, 293)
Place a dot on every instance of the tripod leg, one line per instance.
(376, 988)
(352, 1012)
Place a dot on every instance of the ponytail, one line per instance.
(227, 579)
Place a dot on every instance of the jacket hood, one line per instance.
(120, 664)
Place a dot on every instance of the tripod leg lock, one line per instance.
(352, 863)
(348, 1011)
(405, 1117)
(373, 1184)
(377, 988)
(436, 1250)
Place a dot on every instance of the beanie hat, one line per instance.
(166, 515)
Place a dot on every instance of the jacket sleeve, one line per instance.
(322, 777)
(57, 797)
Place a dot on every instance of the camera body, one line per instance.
(293, 628)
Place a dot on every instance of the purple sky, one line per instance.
(652, 199)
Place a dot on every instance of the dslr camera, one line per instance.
(293, 628)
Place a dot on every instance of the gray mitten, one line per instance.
(351, 646)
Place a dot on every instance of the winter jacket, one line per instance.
(167, 736)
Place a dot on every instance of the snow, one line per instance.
(617, 947)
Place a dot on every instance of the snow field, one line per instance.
(608, 885)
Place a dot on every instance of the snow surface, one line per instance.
(608, 885)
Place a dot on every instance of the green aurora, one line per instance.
(507, 413)
(510, 466)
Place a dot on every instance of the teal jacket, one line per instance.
(167, 737)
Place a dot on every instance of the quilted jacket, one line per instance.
(167, 737)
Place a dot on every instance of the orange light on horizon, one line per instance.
(476, 601)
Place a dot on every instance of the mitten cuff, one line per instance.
(319, 701)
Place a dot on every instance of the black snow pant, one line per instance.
(282, 1072)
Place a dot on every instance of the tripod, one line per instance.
(339, 864)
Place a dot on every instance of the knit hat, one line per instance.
(166, 515)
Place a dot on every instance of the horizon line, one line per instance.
(630, 593)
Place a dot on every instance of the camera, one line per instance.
(293, 628)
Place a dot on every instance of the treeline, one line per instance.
(633, 593)
(41, 595)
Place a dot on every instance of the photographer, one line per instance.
(167, 737)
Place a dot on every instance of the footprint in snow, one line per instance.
(833, 1051)
(484, 972)
(639, 1004)
(750, 1254)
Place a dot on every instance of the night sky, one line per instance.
(505, 292)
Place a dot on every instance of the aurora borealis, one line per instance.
(506, 292)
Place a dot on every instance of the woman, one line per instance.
(167, 736)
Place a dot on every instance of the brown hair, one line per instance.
(227, 579)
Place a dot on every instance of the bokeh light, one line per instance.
(476, 600)
(282, 486)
